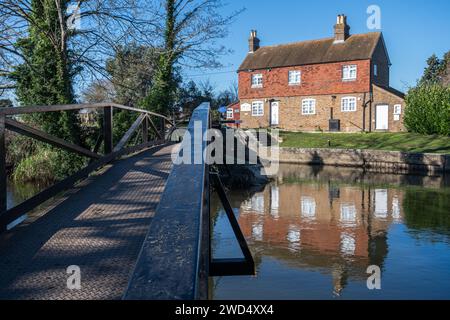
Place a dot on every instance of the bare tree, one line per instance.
(191, 30)
(90, 30)
(93, 30)
(234, 90)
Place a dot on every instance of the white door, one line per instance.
(382, 118)
(274, 108)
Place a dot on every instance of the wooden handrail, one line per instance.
(28, 131)
(68, 107)
(97, 160)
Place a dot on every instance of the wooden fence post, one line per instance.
(145, 130)
(3, 179)
(107, 129)
(163, 128)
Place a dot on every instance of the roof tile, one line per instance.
(356, 47)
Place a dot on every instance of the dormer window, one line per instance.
(257, 80)
(349, 72)
(295, 77)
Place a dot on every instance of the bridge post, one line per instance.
(145, 130)
(163, 128)
(2, 163)
(107, 129)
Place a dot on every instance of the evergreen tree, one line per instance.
(162, 95)
(445, 74)
(433, 71)
(46, 77)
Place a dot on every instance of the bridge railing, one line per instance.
(110, 152)
(176, 260)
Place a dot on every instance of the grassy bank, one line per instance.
(407, 142)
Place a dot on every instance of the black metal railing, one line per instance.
(111, 151)
(176, 261)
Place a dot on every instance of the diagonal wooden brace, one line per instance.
(28, 131)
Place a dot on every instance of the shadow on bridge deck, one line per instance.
(100, 227)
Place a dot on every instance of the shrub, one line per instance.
(39, 166)
(47, 165)
(428, 109)
(18, 148)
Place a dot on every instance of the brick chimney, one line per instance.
(341, 29)
(253, 42)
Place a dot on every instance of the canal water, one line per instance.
(18, 193)
(315, 231)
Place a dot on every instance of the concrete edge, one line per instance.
(367, 159)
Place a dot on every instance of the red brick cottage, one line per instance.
(333, 84)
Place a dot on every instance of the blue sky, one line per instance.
(413, 31)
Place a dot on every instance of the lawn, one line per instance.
(409, 142)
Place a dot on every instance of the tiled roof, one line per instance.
(356, 47)
(392, 90)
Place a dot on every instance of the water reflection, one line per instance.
(19, 192)
(331, 224)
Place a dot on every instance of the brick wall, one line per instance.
(291, 117)
(317, 79)
(322, 82)
(381, 96)
(236, 114)
(370, 159)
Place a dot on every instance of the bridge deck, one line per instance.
(100, 227)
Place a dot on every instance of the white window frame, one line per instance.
(230, 114)
(397, 109)
(257, 80)
(308, 207)
(311, 105)
(260, 111)
(294, 80)
(350, 72)
(375, 70)
(345, 104)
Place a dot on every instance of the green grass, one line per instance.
(407, 142)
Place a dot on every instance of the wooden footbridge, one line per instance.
(134, 224)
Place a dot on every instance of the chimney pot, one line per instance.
(253, 42)
(341, 29)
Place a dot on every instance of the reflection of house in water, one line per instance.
(338, 229)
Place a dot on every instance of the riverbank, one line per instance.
(402, 142)
(401, 162)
